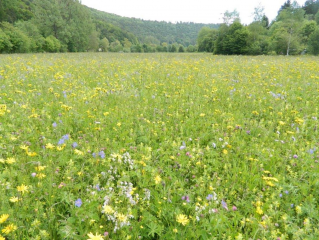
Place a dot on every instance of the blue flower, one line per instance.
(78, 202)
(74, 145)
(102, 154)
(54, 124)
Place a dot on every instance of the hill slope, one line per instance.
(154, 31)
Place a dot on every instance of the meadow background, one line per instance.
(158, 146)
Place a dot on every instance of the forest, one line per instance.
(68, 26)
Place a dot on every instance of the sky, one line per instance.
(199, 11)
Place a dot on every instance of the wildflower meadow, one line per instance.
(158, 146)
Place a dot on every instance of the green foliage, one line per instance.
(14, 10)
(232, 40)
(206, 39)
(104, 44)
(5, 44)
(313, 43)
(20, 42)
(181, 33)
(51, 44)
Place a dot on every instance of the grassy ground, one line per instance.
(158, 146)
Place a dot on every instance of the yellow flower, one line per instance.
(95, 237)
(298, 209)
(31, 154)
(4, 218)
(10, 228)
(49, 146)
(119, 124)
(107, 209)
(182, 219)
(2, 238)
(121, 217)
(14, 199)
(10, 160)
(259, 211)
(60, 148)
(225, 151)
(78, 152)
(24, 147)
(22, 188)
(202, 115)
(158, 179)
(175, 230)
(40, 168)
(40, 175)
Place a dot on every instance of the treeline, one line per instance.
(294, 31)
(69, 26)
(154, 32)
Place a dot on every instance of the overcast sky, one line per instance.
(199, 11)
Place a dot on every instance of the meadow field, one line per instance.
(158, 146)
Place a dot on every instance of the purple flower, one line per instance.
(74, 145)
(54, 124)
(97, 186)
(295, 156)
(61, 141)
(280, 195)
(65, 137)
(94, 155)
(78, 202)
(102, 154)
(186, 198)
(286, 192)
(234, 208)
(224, 204)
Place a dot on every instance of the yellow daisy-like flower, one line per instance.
(14, 199)
(158, 179)
(10, 228)
(95, 237)
(31, 154)
(2, 238)
(40, 168)
(182, 219)
(49, 146)
(10, 160)
(107, 209)
(24, 147)
(121, 217)
(175, 230)
(23, 188)
(4, 218)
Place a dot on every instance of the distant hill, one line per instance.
(155, 32)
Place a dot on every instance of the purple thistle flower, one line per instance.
(78, 202)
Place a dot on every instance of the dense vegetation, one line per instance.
(295, 30)
(66, 25)
(158, 146)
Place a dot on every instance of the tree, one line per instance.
(181, 49)
(206, 39)
(286, 5)
(286, 31)
(32, 31)
(232, 39)
(5, 44)
(231, 17)
(20, 42)
(51, 44)
(311, 7)
(116, 46)
(259, 13)
(67, 20)
(313, 43)
(104, 44)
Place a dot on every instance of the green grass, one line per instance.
(158, 146)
